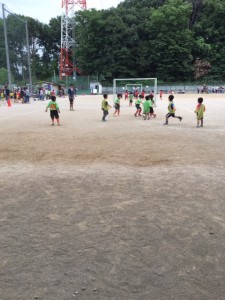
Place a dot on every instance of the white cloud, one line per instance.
(44, 10)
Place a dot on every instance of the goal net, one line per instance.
(149, 85)
(132, 87)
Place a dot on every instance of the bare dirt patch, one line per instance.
(127, 209)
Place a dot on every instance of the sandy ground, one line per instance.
(128, 209)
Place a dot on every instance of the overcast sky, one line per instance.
(44, 10)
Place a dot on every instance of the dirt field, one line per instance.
(125, 210)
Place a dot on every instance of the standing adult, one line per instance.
(27, 95)
(22, 95)
(71, 94)
(41, 95)
(7, 93)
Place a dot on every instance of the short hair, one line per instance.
(119, 95)
(53, 98)
(200, 100)
(171, 97)
(147, 97)
(141, 96)
(105, 96)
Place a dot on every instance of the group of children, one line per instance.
(199, 111)
(148, 104)
(147, 111)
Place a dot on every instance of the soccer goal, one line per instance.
(149, 85)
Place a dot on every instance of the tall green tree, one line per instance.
(170, 41)
(209, 32)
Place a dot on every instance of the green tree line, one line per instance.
(173, 40)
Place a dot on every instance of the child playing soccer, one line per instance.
(117, 105)
(171, 109)
(105, 107)
(71, 94)
(126, 95)
(160, 94)
(54, 110)
(200, 109)
(151, 103)
(146, 108)
(131, 97)
(138, 105)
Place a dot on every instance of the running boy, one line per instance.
(138, 105)
(171, 109)
(54, 110)
(151, 103)
(200, 109)
(105, 107)
(146, 108)
(117, 105)
(131, 97)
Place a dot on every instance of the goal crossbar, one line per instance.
(134, 79)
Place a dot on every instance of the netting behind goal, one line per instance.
(149, 85)
(130, 87)
(13, 28)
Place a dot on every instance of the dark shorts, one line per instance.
(105, 113)
(71, 100)
(170, 115)
(138, 106)
(117, 106)
(151, 110)
(54, 114)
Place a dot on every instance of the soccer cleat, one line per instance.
(166, 123)
(180, 118)
(52, 124)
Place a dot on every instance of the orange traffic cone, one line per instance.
(9, 102)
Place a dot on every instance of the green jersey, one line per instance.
(105, 105)
(117, 100)
(151, 102)
(200, 109)
(138, 101)
(53, 105)
(171, 108)
(131, 97)
(146, 107)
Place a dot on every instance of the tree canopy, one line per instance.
(174, 40)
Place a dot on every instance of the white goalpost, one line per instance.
(149, 83)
